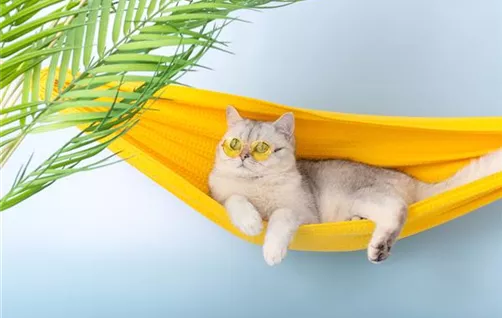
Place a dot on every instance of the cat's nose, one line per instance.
(244, 156)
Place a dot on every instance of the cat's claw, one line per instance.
(274, 252)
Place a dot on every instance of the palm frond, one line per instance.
(90, 43)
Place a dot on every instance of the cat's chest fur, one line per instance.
(266, 194)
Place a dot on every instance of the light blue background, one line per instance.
(112, 243)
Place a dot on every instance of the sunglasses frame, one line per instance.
(258, 156)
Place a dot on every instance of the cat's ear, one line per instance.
(233, 116)
(286, 125)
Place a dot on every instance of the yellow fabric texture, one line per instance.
(174, 144)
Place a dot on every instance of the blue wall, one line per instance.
(111, 243)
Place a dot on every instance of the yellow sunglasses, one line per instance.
(260, 150)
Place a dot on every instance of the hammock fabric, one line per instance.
(174, 145)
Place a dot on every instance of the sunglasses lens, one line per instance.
(232, 147)
(261, 150)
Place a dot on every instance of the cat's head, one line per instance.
(255, 148)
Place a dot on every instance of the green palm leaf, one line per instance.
(89, 43)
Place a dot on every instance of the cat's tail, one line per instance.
(476, 169)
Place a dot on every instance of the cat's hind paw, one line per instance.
(379, 253)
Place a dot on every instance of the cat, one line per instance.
(257, 177)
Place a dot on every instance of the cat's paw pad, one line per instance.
(379, 253)
(248, 220)
(274, 252)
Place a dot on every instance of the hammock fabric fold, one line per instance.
(174, 145)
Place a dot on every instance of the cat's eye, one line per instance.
(232, 147)
(260, 150)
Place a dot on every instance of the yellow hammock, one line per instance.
(174, 145)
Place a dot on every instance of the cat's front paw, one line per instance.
(274, 252)
(248, 220)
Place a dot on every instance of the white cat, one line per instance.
(257, 177)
